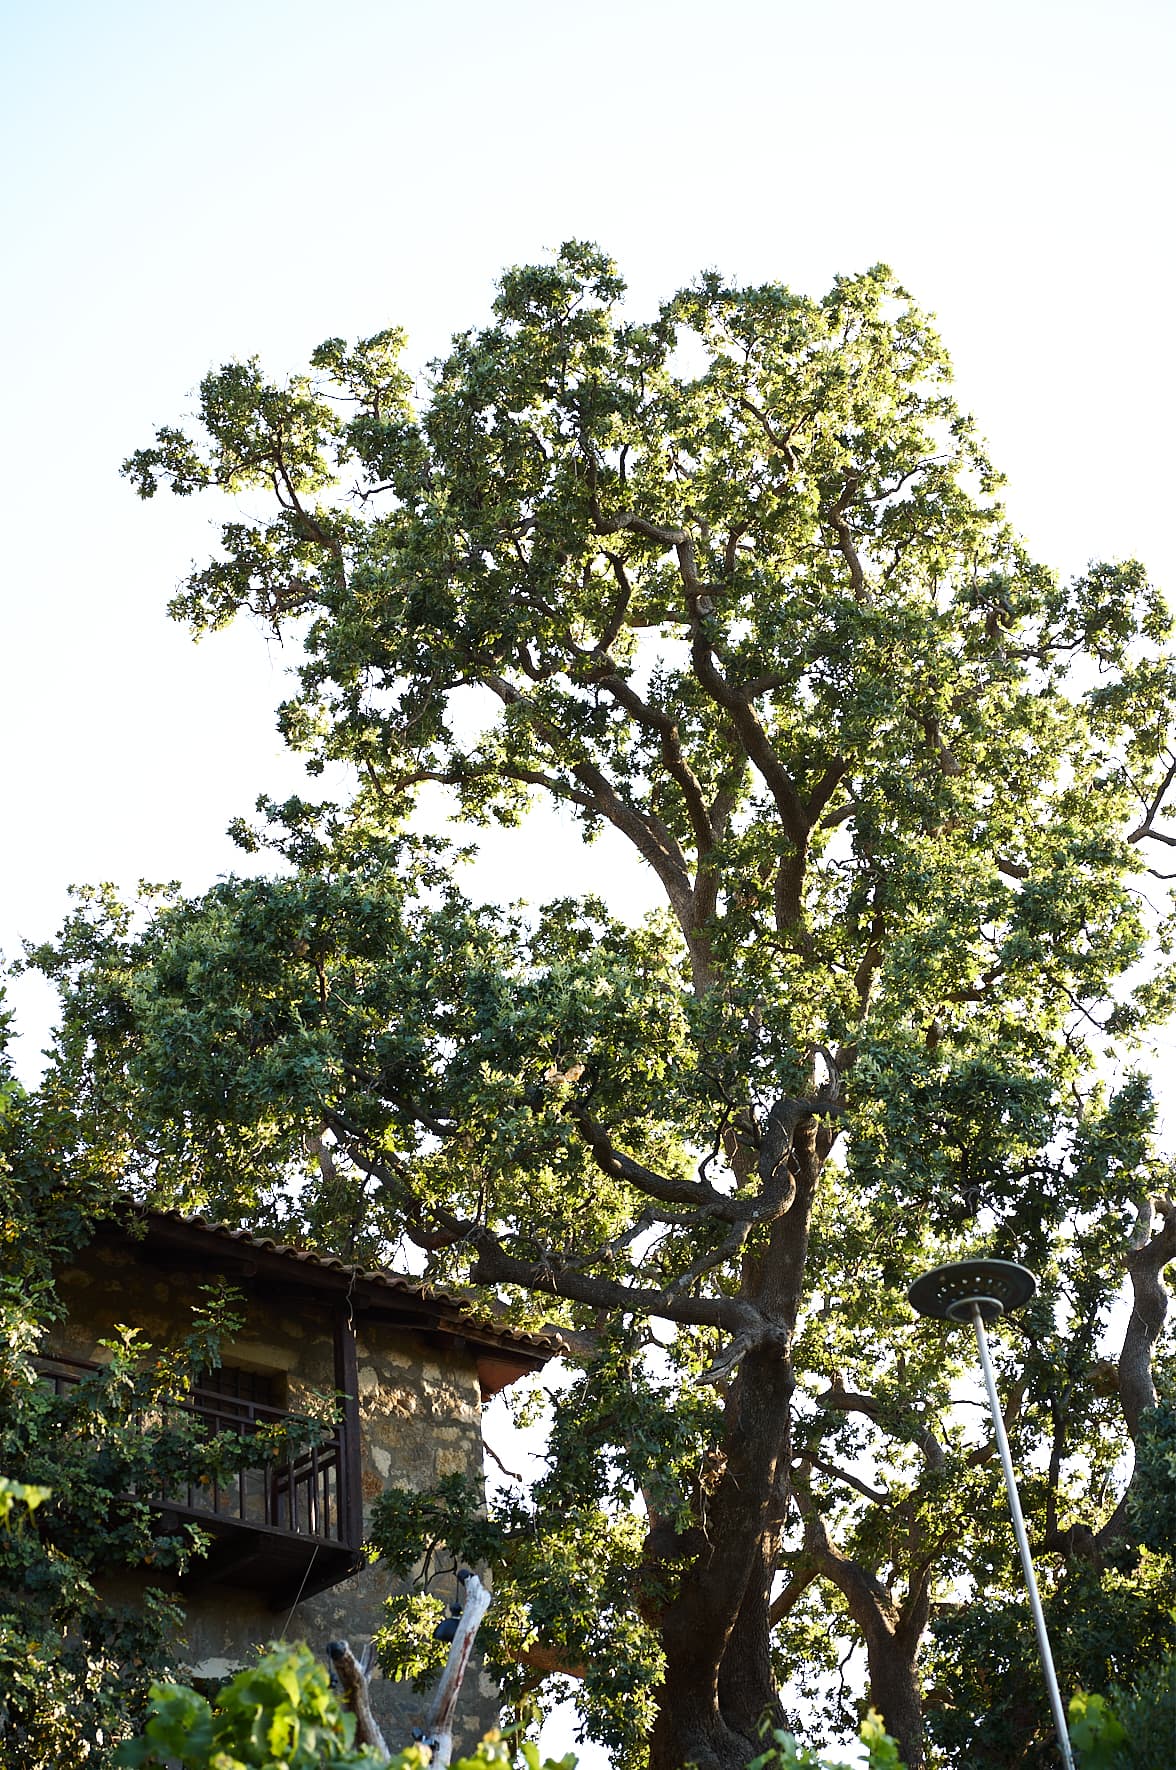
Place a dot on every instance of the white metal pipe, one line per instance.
(1002, 1442)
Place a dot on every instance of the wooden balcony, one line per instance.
(287, 1528)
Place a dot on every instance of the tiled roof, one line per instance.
(474, 1310)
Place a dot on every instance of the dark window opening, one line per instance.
(230, 1394)
(293, 1487)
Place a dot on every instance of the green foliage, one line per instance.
(75, 1672)
(1134, 1728)
(74, 1666)
(277, 1715)
(733, 580)
(563, 1563)
(20, 1493)
(406, 1645)
(562, 1574)
(72, 1670)
(785, 1753)
(1105, 1625)
(282, 1715)
(883, 1750)
(1153, 1490)
(1095, 1732)
(82, 1466)
(1146, 1709)
(409, 1525)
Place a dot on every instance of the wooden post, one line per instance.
(354, 1676)
(347, 1383)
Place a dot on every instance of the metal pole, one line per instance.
(1002, 1442)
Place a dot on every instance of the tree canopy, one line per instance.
(735, 581)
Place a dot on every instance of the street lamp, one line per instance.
(980, 1291)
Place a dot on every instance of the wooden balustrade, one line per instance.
(300, 1492)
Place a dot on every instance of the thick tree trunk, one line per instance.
(688, 1728)
(715, 1630)
(896, 1694)
(748, 1695)
(1147, 1257)
(892, 1632)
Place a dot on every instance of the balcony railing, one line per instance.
(299, 1493)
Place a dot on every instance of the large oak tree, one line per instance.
(737, 583)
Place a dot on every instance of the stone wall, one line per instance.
(421, 1414)
(420, 1409)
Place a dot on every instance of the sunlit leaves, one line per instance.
(735, 582)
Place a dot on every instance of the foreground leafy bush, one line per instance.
(74, 1670)
(1134, 1730)
(1096, 1733)
(281, 1714)
(1148, 1714)
(785, 1753)
(78, 1468)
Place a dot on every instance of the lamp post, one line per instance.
(980, 1291)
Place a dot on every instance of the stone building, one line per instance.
(413, 1366)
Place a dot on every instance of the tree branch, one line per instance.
(750, 732)
(555, 1279)
(726, 1250)
(542, 1657)
(870, 1604)
(1147, 1257)
(880, 1498)
(825, 788)
(793, 1592)
(648, 834)
(734, 701)
(1010, 1413)
(698, 1195)
(1145, 1265)
(778, 442)
(679, 770)
(1152, 812)
(835, 515)
(842, 1400)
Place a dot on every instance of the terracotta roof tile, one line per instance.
(474, 1309)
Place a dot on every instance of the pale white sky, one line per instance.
(188, 183)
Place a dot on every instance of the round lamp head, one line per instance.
(949, 1292)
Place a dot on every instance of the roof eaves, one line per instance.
(472, 1312)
